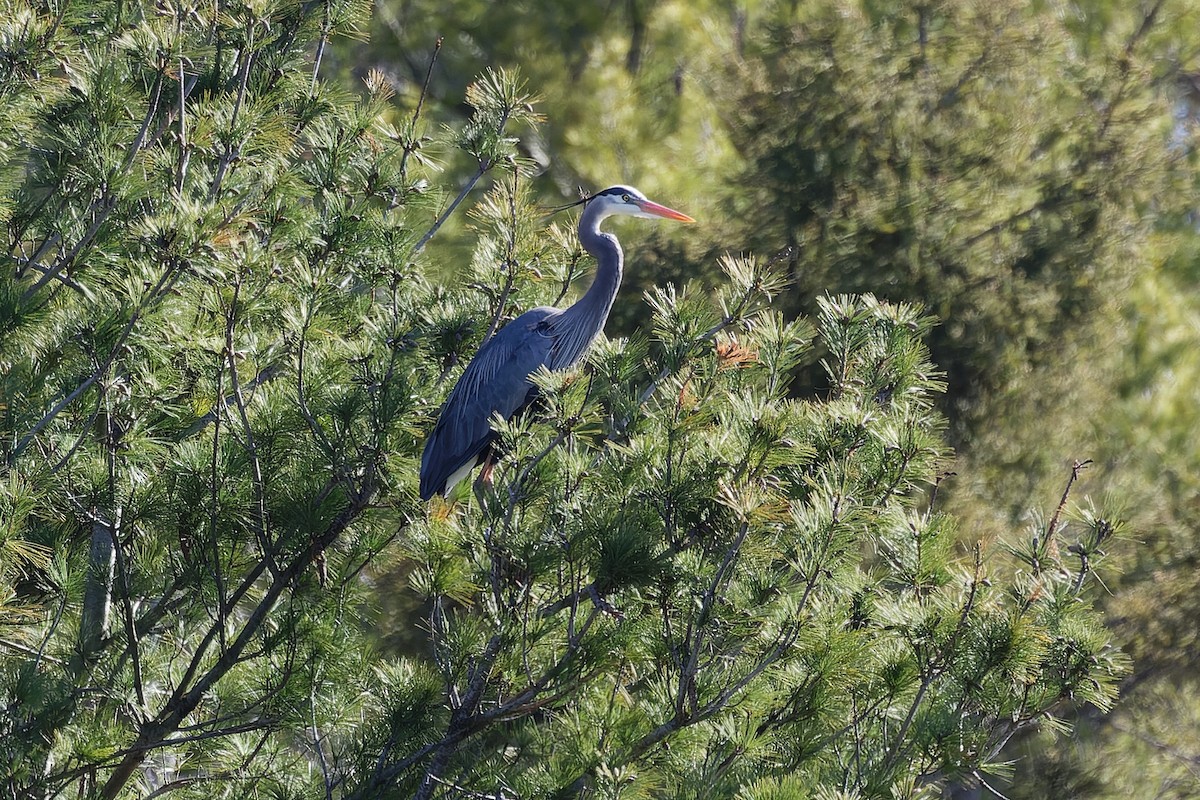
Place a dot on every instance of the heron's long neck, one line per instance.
(590, 312)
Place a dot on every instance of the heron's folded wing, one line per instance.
(495, 382)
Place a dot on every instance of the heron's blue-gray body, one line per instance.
(497, 379)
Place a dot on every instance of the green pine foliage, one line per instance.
(1070, 332)
(221, 344)
(928, 154)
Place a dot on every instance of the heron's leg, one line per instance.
(483, 483)
(485, 474)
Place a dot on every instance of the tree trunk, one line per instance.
(97, 591)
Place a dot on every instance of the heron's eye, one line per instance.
(627, 198)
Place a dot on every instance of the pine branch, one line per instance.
(696, 625)
(262, 377)
(30, 263)
(163, 286)
(260, 509)
(734, 316)
(318, 741)
(231, 153)
(983, 782)
(460, 719)
(185, 148)
(29, 651)
(142, 751)
(50, 630)
(940, 662)
(526, 701)
(85, 434)
(214, 454)
(464, 792)
(186, 698)
(683, 720)
(104, 205)
(314, 427)
(510, 264)
(133, 647)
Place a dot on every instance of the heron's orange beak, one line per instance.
(663, 211)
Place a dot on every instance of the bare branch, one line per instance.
(29, 651)
(413, 142)
(1076, 468)
(484, 166)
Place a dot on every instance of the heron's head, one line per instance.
(628, 201)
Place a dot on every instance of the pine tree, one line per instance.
(1090, 355)
(222, 342)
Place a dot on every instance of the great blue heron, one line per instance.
(497, 379)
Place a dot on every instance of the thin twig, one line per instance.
(29, 651)
(1076, 468)
(510, 264)
(687, 674)
(41, 652)
(525, 473)
(182, 783)
(261, 527)
(982, 782)
(568, 276)
(51, 240)
(86, 429)
(133, 645)
(938, 664)
(214, 515)
(185, 150)
(526, 701)
(937, 485)
(65, 280)
(411, 145)
(314, 426)
(265, 375)
(105, 203)
(484, 165)
(318, 744)
(228, 156)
